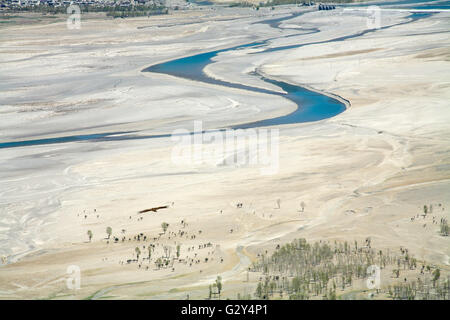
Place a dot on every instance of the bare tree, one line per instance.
(164, 226)
(138, 252)
(218, 283)
(90, 235)
(302, 205)
(109, 232)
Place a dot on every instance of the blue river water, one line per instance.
(311, 105)
(406, 4)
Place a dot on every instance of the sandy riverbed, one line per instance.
(363, 173)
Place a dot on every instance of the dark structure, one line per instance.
(326, 7)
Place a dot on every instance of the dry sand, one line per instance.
(363, 173)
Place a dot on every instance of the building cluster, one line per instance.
(5, 4)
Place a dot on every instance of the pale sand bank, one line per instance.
(363, 173)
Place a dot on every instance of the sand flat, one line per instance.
(363, 173)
